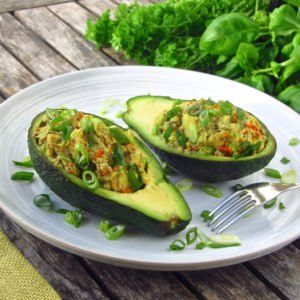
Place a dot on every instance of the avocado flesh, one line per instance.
(158, 208)
(142, 115)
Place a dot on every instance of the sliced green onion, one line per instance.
(194, 110)
(212, 191)
(294, 141)
(91, 135)
(285, 160)
(181, 139)
(191, 236)
(52, 113)
(81, 156)
(119, 114)
(66, 132)
(207, 150)
(289, 176)
(270, 203)
(115, 232)
(118, 135)
(74, 217)
(86, 123)
(272, 173)
(226, 107)
(166, 168)
(177, 102)
(22, 175)
(27, 163)
(62, 211)
(134, 177)
(118, 155)
(90, 180)
(202, 237)
(205, 215)
(184, 184)
(240, 114)
(224, 240)
(103, 111)
(104, 225)
(43, 201)
(281, 206)
(204, 118)
(168, 132)
(238, 187)
(200, 246)
(173, 112)
(177, 245)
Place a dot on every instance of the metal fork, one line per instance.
(240, 203)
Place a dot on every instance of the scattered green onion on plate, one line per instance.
(22, 176)
(104, 225)
(43, 201)
(272, 173)
(27, 163)
(184, 184)
(74, 217)
(115, 232)
(212, 191)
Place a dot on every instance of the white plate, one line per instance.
(264, 232)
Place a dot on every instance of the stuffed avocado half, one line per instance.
(104, 169)
(207, 140)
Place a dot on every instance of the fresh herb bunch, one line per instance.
(246, 40)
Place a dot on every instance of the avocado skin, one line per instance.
(95, 204)
(213, 171)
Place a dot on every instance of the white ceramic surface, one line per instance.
(264, 232)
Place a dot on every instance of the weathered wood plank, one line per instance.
(282, 269)
(61, 269)
(98, 7)
(234, 282)
(126, 283)
(75, 16)
(13, 75)
(61, 37)
(132, 1)
(31, 50)
(12, 5)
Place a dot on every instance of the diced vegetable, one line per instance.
(191, 236)
(270, 204)
(22, 176)
(177, 245)
(272, 173)
(289, 176)
(205, 215)
(212, 191)
(104, 225)
(115, 232)
(294, 141)
(285, 160)
(43, 201)
(74, 217)
(184, 184)
(90, 180)
(27, 163)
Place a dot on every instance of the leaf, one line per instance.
(247, 56)
(291, 95)
(284, 20)
(293, 2)
(231, 69)
(225, 33)
(262, 82)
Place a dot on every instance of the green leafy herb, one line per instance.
(27, 163)
(285, 160)
(177, 245)
(184, 184)
(272, 173)
(43, 201)
(22, 176)
(74, 217)
(115, 232)
(205, 215)
(212, 191)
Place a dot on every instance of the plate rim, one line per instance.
(127, 262)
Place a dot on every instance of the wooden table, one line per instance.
(45, 40)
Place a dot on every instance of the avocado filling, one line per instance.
(102, 155)
(211, 128)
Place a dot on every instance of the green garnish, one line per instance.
(200, 246)
(62, 125)
(118, 155)
(226, 107)
(270, 203)
(27, 163)
(62, 211)
(103, 111)
(181, 139)
(118, 135)
(281, 206)
(22, 175)
(134, 177)
(43, 201)
(81, 156)
(285, 160)
(289, 176)
(90, 180)
(184, 184)
(87, 126)
(194, 110)
(177, 245)
(207, 150)
(173, 112)
(205, 215)
(168, 132)
(240, 114)
(272, 173)
(166, 168)
(115, 232)
(119, 114)
(212, 191)
(294, 141)
(104, 225)
(223, 241)
(204, 118)
(191, 236)
(74, 217)
(238, 187)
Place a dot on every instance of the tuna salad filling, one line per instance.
(101, 154)
(211, 128)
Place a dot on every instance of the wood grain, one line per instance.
(134, 284)
(42, 60)
(282, 269)
(12, 5)
(61, 269)
(98, 7)
(61, 37)
(13, 75)
(234, 283)
(76, 16)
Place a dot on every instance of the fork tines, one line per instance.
(230, 210)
